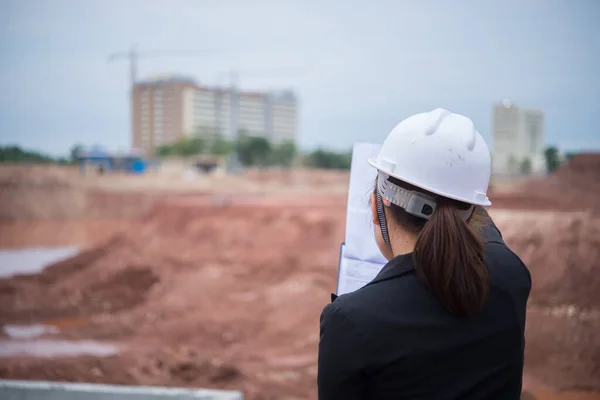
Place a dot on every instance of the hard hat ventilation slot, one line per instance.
(433, 129)
(471, 144)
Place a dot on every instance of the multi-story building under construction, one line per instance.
(168, 108)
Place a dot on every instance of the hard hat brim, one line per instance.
(373, 162)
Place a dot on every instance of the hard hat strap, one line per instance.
(382, 219)
(415, 203)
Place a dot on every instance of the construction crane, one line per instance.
(133, 55)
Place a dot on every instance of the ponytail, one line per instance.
(449, 260)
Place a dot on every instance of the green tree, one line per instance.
(328, 160)
(186, 146)
(253, 150)
(220, 146)
(163, 151)
(189, 146)
(525, 167)
(214, 142)
(284, 153)
(552, 158)
(74, 153)
(14, 154)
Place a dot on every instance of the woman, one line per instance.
(445, 317)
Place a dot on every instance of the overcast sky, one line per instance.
(364, 65)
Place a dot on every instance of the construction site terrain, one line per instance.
(219, 281)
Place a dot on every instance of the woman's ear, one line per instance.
(374, 209)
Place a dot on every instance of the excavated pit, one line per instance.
(227, 295)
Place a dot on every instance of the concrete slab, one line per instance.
(41, 390)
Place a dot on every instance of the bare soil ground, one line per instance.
(202, 292)
(575, 186)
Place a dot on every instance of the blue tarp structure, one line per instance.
(104, 162)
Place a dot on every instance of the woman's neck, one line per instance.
(403, 243)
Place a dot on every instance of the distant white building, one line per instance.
(272, 115)
(518, 141)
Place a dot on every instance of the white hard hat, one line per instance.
(440, 152)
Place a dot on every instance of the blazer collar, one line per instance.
(397, 266)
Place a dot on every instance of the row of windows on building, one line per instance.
(159, 125)
(198, 110)
(199, 104)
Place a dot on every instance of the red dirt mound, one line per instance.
(67, 289)
(574, 186)
(562, 251)
(580, 173)
(241, 285)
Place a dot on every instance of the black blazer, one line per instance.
(392, 339)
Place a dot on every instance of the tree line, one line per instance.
(15, 154)
(254, 151)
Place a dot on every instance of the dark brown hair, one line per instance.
(448, 254)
